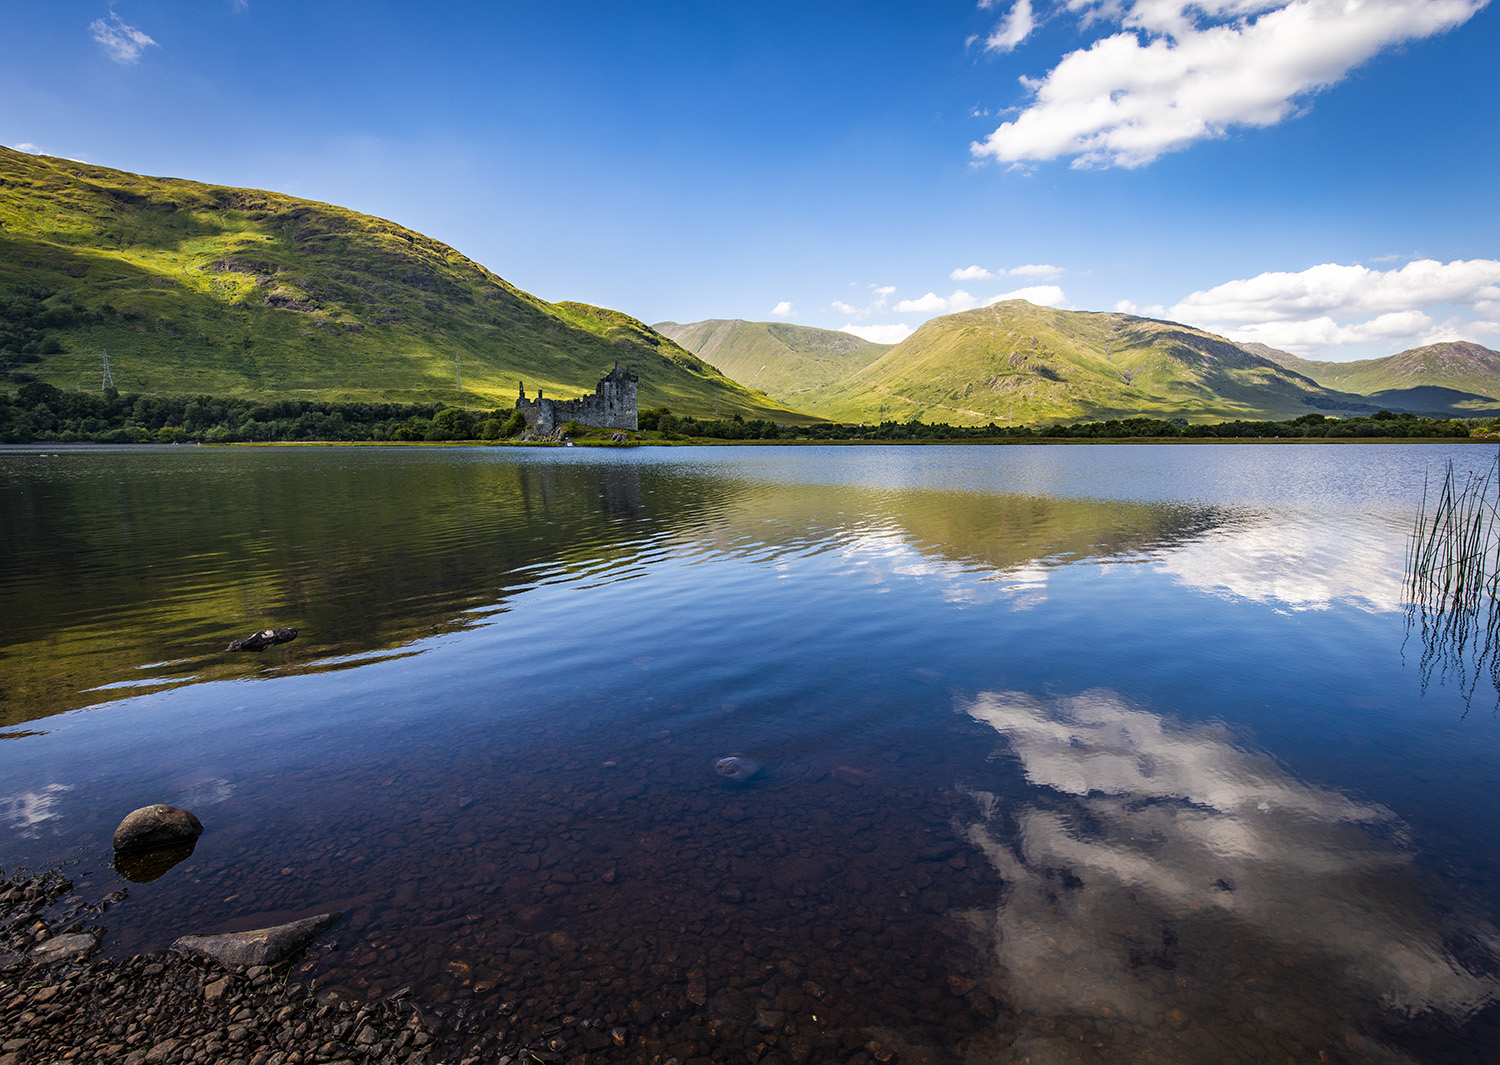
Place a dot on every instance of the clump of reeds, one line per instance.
(1453, 579)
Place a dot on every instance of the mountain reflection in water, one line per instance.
(1173, 897)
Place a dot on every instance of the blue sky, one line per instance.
(1318, 175)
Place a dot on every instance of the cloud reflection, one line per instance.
(1175, 898)
(26, 810)
(1298, 566)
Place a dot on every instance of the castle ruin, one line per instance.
(611, 407)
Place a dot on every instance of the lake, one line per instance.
(1045, 753)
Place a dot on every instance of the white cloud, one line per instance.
(883, 293)
(1125, 306)
(123, 42)
(971, 273)
(783, 310)
(27, 147)
(1346, 290)
(1014, 28)
(1041, 295)
(1332, 305)
(1177, 73)
(1036, 270)
(879, 334)
(932, 303)
(845, 308)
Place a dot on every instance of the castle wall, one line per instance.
(612, 406)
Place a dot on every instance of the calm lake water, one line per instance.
(1061, 754)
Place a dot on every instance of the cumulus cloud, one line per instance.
(1041, 295)
(1333, 305)
(783, 310)
(122, 42)
(1126, 306)
(1175, 73)
(883, 293)
(845, 308)
(27, 147)
(932, 303)
(1036, 270)
(879, 334)
(1014, 28)
(971, 273)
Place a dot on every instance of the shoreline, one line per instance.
(170, 1008)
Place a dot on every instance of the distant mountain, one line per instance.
(195, 288)
(1463, 377)
(1017, 362)
(784, 361)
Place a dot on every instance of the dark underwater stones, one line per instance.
(260, 946)
(737, 769)
(156, 826)
(264, 638)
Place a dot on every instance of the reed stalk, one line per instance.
(1452, 588)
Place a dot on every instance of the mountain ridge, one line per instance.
(1015, 362)
(212, 289)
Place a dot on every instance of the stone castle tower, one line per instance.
(612, 406)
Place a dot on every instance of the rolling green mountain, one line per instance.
(195, 288)
(1014, 362)
(784, 361)
(1457, 377)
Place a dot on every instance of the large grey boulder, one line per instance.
(156, 826)
(262, 946)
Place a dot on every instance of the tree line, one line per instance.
(39, 412)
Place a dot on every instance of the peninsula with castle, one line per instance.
(611, 406)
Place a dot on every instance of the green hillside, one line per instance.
(1015, 362)
(195, 288)
(787, 362)
(1470, 373)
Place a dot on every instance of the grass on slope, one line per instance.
(1015, 363)
(195, 288)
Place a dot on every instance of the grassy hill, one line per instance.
(1015, 362)
(1457, 377)
(195, 288)
(787, 362)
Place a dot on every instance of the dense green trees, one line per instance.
(41, 412)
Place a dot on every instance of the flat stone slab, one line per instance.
(156, 826)
(73, 947)
(261, 946)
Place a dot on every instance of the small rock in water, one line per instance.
(156, 826)
(736, 768)
(264, 638)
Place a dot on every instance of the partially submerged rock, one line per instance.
(737, 769)
(260, 946)
(264, 638)
(73, 947)
(156, 826)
